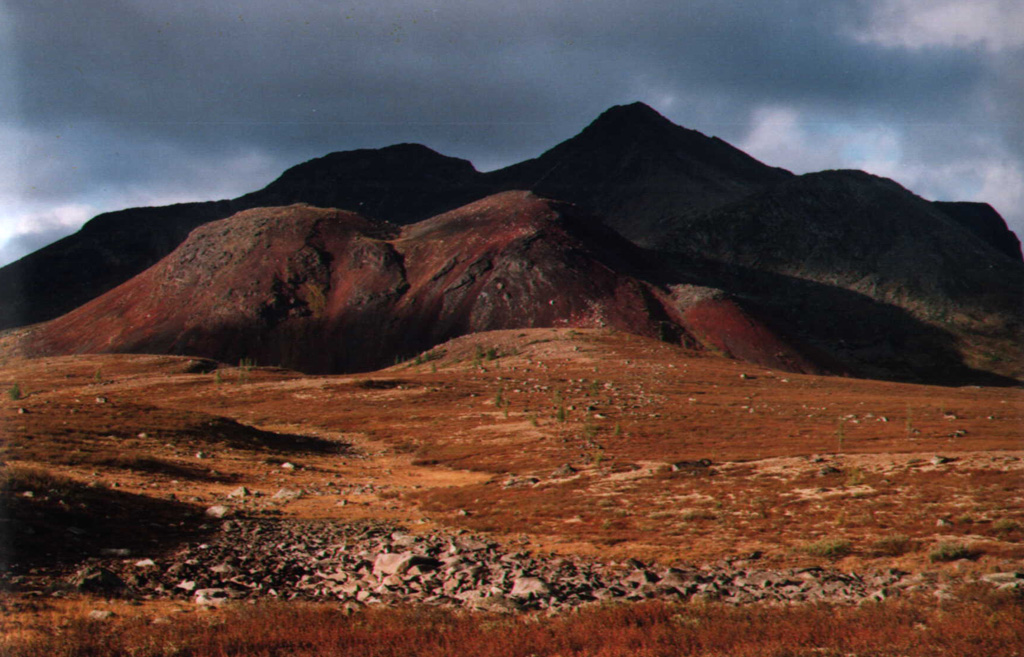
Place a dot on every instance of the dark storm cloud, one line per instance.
(195, 100)
(155, 65)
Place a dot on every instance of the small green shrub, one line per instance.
(951, 552)
(699, 514)
(1005, 526)
(893, 545)
(14, 392)
(855, 477)
(830, 548)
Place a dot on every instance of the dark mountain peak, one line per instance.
(633, 114)
(639, 171)
(400, 183)
(393, 161)
(635, 125)
(983, 220)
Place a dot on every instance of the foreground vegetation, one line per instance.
(983, 626)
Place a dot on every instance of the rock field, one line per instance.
(377, 563)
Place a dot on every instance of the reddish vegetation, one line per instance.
(329, 291)
(976, 629)
(725, 325)
(458, 421)
(102, 440)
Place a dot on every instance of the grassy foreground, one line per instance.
(980, 627)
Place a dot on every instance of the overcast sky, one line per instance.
(107, 104)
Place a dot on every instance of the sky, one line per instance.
(108, 104)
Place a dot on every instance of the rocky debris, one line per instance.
(1006, 581)
(286, 495)
(701, 466)
(94, 579)
(520, 482)
(239, 493)
(566, 470)
(211, 597)
(377, 563)
(218, 511)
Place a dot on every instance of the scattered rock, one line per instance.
(239, 493)
(692, 467)
(530, 587)
(218, 511)
(286, 495)
(115, 552)
(100, 614)
(94, 579)
(211, 597)
(565, 470)
(373, 562)
(1003, 578)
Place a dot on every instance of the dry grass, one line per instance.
(972, 629)
(617, 408)
(443, 434)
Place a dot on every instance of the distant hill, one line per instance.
(856, 270)
(868, 235)
(326, 290)
(631, 166)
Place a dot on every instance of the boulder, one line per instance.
(530, 588)
(93, 579)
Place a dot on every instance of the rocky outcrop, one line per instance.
(377, 563)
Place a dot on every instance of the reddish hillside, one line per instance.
(329, 291)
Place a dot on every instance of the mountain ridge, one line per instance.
(323, 290)
(708, 214)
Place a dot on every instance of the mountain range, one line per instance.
(351, 260)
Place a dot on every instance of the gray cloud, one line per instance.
(126, 99)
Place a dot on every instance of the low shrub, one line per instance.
(952, 552)
(829, 548)
(893, 545)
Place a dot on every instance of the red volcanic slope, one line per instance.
(724, 324)
(322, 290)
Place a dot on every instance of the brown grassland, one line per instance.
(804, 470)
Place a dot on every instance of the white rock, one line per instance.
(211, 597)
(218, 511)
(392, 563)
(287, 494)
(530, 587)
